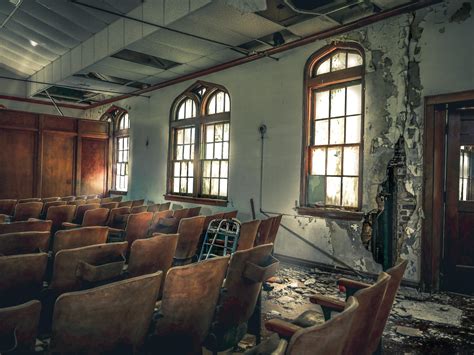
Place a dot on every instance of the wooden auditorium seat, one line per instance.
(109, 205)
(26, 226)
(59, 215)
(22, 277)
(93, 217)
(50, 199)
(24, 243)
(170, 225)
(153, 208)
(79, 237)
(189, 232)
(165, 206)
(32, 199)
(47, 205)
(248, 234)
(77, 202)
(114, 217)
(91, 197)
(187, 307)
(268, 230)
(7, 206)
(93, 200)
(19, 327)
(230, 214)
(136, 203)
(194, 211)
(114, 318)
(139, 209)
(81, 210)
(136, 228)
(157, 216)
(68, 198)
(24, 211)
(125, 204)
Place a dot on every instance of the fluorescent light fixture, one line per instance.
(15, 2)
(33, 43)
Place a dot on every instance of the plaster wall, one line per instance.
(407, 57)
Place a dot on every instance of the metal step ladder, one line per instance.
(222, 238)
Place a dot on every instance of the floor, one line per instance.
(420, 323)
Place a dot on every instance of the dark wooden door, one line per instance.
(458, 251)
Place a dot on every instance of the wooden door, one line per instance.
(94, 164)
(58, 164)
(458, 253)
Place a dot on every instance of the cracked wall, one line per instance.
(407, 57)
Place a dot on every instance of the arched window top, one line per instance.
(218, 102)
(186, 109)
(124, 122)
(336, 60)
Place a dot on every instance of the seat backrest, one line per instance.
(263, 231)
(106, 200)
(119, 211)
(139, 209)
(77, 202)
(68, 198)
(117, 198)
(47, 205)
(32, 199)
(95, 217)
(156, 219)
(137, 226)
(91, 197)
(22, 277)
(125, 204)
(209, 218)
(230, 214)
(24, 243)
(271, 236)
(152, 254)
(66, 262)
(193, 212)
(165, 206)
(396, 275)
(50, 199)
(328, 338)
(110, 318)
(243, 284)
(81, 197)
(21, 324)
(369, 299)
(189, 230)
(7, 206)
(189, 300)
(26, 226)
(109, 205)
(181, 213)
(248, 234)
(93, 200)
(81, 210)
(26, 210)
(60, 214)
(79, 237)
(153, 208)
(136, 203)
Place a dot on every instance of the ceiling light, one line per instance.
(33, 43)
(15, 2)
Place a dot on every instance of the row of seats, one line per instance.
(206, 303)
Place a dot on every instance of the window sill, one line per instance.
(115, 192)
(197, 200)
(332, 213)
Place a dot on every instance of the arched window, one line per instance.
(199, 136)
(120, 120)
(333, 128)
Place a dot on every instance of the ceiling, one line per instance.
(221, 31)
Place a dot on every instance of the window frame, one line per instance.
(199, 123)
(313, 83)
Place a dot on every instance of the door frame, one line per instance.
(433, 184)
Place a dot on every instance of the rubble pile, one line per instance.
(419, 323)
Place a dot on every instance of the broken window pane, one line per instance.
(354, 100)
(321, 133)
(350, 191)
(338, 99)
(322, 104)
(334, 161)
(337, 131)
(351, 161)
(333, 191)
(318, 161)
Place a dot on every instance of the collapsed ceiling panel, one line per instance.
(164, 51)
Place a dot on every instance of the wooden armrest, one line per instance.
(116, 231)
(283, 328)
(328, 302)
(68, 225)
(348, 283)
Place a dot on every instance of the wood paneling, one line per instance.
(17, 169)
(94, 157)
(42, 155)
(58, 165)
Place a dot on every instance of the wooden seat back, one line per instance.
(271, 236)
(66, 263)
(181, 213)
(68, 198)
(396, 275)
(157, 216)
(91, 197)
(109, 205)
(125, 204)
(137, 226)
(189, 300)
(119, 211)
(230, 214)
(24, 243)
(165, 206)
(263, 231)
(248, 234)
(20, 324)
(22, 277)
(153, 208)
(26, 226)
(26, 210)
(47, 205)
(209, 218)
(32, 199)
(111, 318)
(138, 209)
(189, 231)
(329, 338)
(79, 237)
(136, 203)
(7, 206)
(193, 212)
(81, 210)
(50, 199)
(77, 202)
(60, 214)
(94, 200)
(95, 217)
